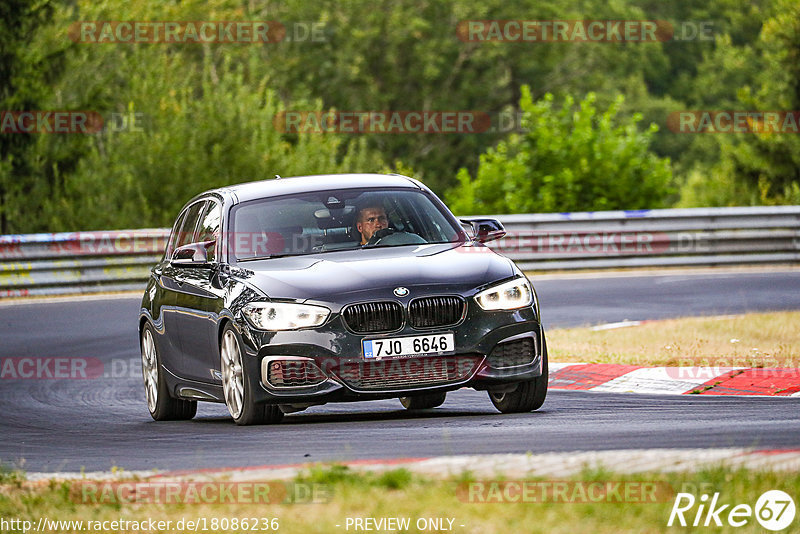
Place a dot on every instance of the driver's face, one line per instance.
(371, 220)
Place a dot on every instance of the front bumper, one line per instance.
(340, 372)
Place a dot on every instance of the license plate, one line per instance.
(399, 347)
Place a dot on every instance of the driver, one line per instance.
(371, 219)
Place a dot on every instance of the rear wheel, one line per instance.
(423, 402)
(236, 386)
(528, 396)
(161, 405)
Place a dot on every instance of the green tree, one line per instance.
(189, 139)
(568, 159)
(24, 73)
(760, 167)
(771, 161)
(205, 117)
(379, 55)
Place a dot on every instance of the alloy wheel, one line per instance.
(232, 376)
(150, 370)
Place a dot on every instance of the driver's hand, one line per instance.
(377, 236)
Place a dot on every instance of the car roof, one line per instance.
(299, 184)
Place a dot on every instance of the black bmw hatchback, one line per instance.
(278, 295)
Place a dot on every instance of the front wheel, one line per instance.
(161, 405)
(529, 395)
(236, 386)
(423, 402)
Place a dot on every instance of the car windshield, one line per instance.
(325, 221)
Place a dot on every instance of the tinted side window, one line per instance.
(176, 232)
(209, 227)
(188, 232)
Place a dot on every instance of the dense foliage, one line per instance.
(200, 115)
(566, 160)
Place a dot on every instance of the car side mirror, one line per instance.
(192, 255)
(485, 230)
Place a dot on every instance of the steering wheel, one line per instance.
(377, 236)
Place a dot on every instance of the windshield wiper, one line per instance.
(256, 258)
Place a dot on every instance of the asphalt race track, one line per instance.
(66, 425)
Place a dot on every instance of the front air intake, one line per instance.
(513, 353)
(292, 372)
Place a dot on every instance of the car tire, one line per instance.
(237, 386)
(162, 406)
(423, 402)
(529, 395)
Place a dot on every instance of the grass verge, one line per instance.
(616, 504)
(749, 340)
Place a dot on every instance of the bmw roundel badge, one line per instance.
(401, 291)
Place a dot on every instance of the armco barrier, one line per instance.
(78, 262)
(653, 238)
(83, 262)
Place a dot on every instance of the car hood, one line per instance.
(349, 276)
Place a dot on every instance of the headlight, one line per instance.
(509, 295)
(284, 315)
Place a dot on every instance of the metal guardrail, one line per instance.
(78, 262)
(85, 262)
(653, 238)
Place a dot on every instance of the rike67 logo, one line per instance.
(774, 510)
